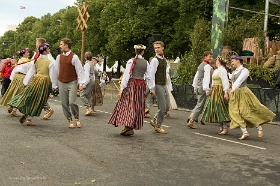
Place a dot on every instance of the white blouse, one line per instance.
(224, 77)
(148, 75)
(241, 78)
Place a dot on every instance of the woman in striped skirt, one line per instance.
(216, 106)
(33, 98)
(17, 76)
(96, 96)
(129, 110)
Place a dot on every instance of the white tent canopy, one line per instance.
(100, 68)
(115, 67)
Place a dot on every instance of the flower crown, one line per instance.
(22, 51)
(139, 46)
(43, 47)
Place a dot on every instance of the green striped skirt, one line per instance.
(33, 98)
(15, 87)
(216, 107)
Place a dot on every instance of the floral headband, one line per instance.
(43, 48)
(22, 51)
(139, 46)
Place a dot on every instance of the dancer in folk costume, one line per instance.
(17, 76)
(158, 66)
(68, 71)
(48, 111)
(97, 98)
(216, 106)
(201, 86)
(244, 107)
(129, 110)
(33, 98)
(86, 93)
(40, 42)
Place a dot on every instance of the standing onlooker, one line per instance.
(97, 99)
(6, 73)
(129, 110)
(86, 93)
(216, 106)
(201, 84)
(68, 72)
(104, 79)
(244, 107)
(158, 67)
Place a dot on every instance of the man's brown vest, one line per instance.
(67, 72)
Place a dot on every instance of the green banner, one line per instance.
(218, 23)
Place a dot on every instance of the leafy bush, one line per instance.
(266, 74)
(200, 42)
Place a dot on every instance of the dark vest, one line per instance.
(67, 72)
(139, 69)
(235, 76)
(160, 76)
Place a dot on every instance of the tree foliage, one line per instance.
(115, 26)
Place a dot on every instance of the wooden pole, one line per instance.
(83, 47)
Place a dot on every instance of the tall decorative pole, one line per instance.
(218, 22)
(82, 19)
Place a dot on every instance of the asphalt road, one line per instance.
(50, 154)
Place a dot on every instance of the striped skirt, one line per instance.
(129, 110)
(33, 98)
(96, 97)
(15, 87)
(216, 107)
(246, 110)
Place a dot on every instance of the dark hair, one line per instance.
(222, 62)
(206, 53)
(22, 51)
(67, 41)
(42, 48)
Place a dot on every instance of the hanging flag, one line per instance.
(22, 7)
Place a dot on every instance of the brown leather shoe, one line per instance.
(244, 136)
(48, 114)
(188, 120)
(260, 133)
(79, 124)
(202, 123)
(13, 113)
(190, 125)
(124, 130)
(224, 132)
(152, 122)
(129, 133)
(29, 123)
(160, 130)
(146, 115)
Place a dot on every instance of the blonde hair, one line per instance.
(88, 55)
(41, 40)
(159, 43)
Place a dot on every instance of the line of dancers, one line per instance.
(34, 80)
(222, 96)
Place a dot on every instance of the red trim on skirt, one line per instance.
(129, 110)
